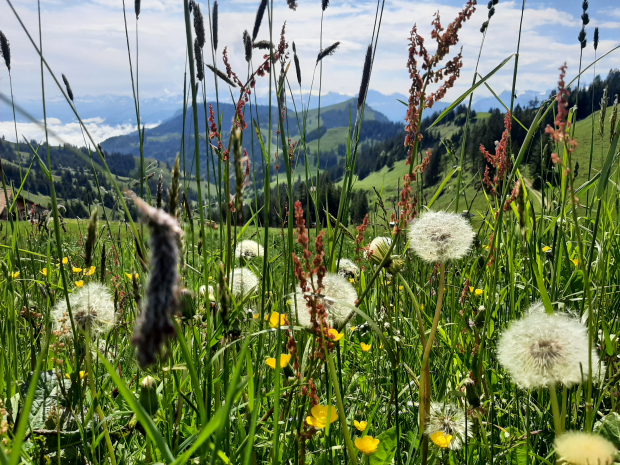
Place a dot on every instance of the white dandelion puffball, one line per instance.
(376, 249)
(244, 281)
(448, 419)
(248, 250)
(542, 350)
(438, 237)
(579, 448)
(203, 292)
(93, 311)
(347, 268)
(335, 288)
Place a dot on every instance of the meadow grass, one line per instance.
(168, 341)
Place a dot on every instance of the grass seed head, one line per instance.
(259, 18)
(200, 73)
(68, 86)
(6, 50)
(365, 78)
(199, 26)
(327, 51)
(439, 237)
(214, 25)
(247, 45)
(137, 7)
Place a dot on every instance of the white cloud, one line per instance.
(60, 133)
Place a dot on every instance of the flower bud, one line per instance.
(148, 395)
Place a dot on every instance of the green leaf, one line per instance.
(442, 186)
(606, 170)
(386, 449)
(609, 428)
(46, 397)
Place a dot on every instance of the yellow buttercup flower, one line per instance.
(130, 276)
(77, 270)
(401, 288)
(284, 359)
(351, 280)
(353, 328)
(321, 415)
(441, 440)
(546, 248)
(256, 316)
(575, 261)
(90, 271)
(479, 292)
(43, 271)
(471, 289)
(365, 347)
(276, 320)
(360, 425)
(65, 260)
(368, 445)
(15, 275)
(83, 375)
(336, 334)
(79, 283)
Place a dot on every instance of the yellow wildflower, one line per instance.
(90, 271)
(368, 445)
(65, 260)
(546, 248)
(360, 425)
(336, 334)
(479, 292)
(353, 328)
(256, 316)
(284, 359)
(77, 270)
(575, 261)
(321, 415)
(79, 283)
(15, 275)
(276, 320)
(43, 271)
(441, 440)
(401, 288)
(130, 276)
(365, 347)
(83, 375)
(471, 289)
(351, 280)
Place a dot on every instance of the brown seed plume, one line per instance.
(160, 301)
(200, 73)
(199, 26)
(262, 45)
(297, 67)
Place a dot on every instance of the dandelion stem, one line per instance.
(425, 384)
(557, 421)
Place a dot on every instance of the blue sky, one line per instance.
(86, 41)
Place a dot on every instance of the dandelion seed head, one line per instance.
(93, 311)
(244, 281)
(249, 250)
(347, 268)
(448, 419)
(336, 289)
(377, 247)
(542, 350)
(438, 237)
(579, 448)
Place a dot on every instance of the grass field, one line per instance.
(431, 337)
